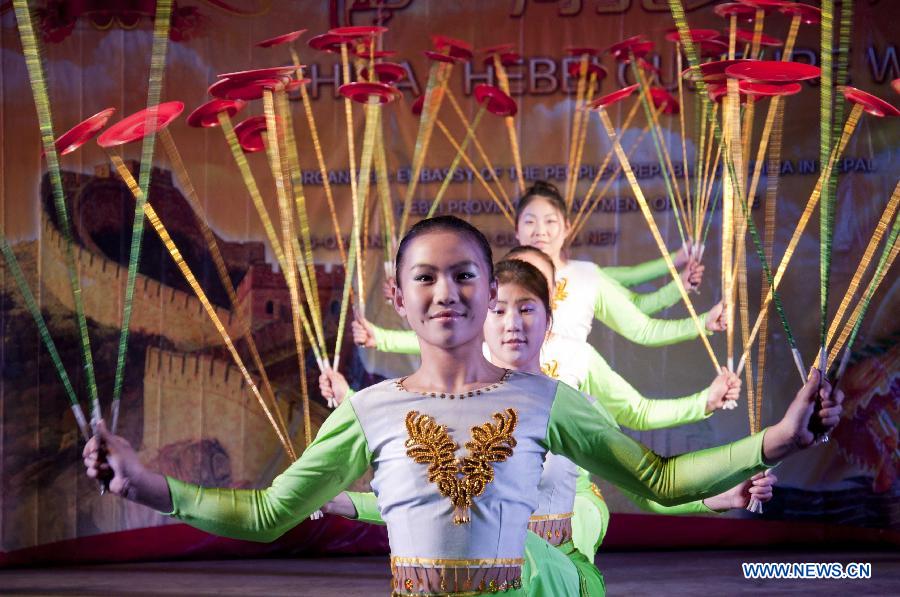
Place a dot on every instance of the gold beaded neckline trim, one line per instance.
(398, 384)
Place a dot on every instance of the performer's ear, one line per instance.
(399, 302)
(492, 301)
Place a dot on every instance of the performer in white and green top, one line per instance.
(457, 447)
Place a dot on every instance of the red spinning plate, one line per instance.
(756, 89)
(357, 31)
(134, 127)
(458, 48)
(743, 12)
(598, 71)
(809, 15)
(417, 105)
(261, 73)
(871, 104)
(710, 48)
(639, 50)
(661, 98)
(498, 49)
(765, 40)
(611, 98)
(581, 50)
(695, 35)
(386, 72)
(710, 71)
(243, 90)
(361, 92)
(328, 42)
(206, 116)
(250, 134)
(506, 59)
(439, 57)
(773, 71)
(281, 39)
(623, 45)
(647, 66)
(365, 51)
(495, 101)
(82, 132)
(295, 84)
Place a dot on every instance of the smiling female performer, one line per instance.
(514, 332)
(456, 523)
(578, 364)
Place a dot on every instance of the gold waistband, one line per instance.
(540, 517)
(426, 577)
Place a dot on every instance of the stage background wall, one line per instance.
(185, 406)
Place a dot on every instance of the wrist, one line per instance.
(778, 443)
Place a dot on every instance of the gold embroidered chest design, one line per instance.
(551, 368)
(461, 479)
(560, 294)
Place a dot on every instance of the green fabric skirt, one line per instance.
(589, 578)
(547, 572)
(590, 520)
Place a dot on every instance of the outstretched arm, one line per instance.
(337, 457)
(631, 409)
(576, 430)
(632, 275)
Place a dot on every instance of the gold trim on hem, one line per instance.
(451, 563)
(542, 517)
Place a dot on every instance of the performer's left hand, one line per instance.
(715, 319)
(333, 386)
(759, 486)
(692, 275)
(725, 388)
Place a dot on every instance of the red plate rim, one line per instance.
(625, 43)
(872, 104)
(284, 38)
(131, 128)
(611, 98)
(695, 34)
(592, 67)
(328, 42)
(729, 8)
(498, 49)
(82, 132)
(440, 41)
(357, 31)
(361, 51)
(581, 50)
(206, 115)
(757, 89)
(360, 92)
(295, 84)
(386, 72)
(767, 40)
(243, 90)
(495, 100)
(639, 50)
(710, 71)
(261, 73)
(440, 57)
(767, 5)
(249, 133)
(773, 71)
(809, 15)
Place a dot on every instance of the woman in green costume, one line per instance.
(456, 524)
(515, 331)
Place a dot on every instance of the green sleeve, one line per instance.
(629, 408)
(654, 302)
(400, 341)
(632, 275)
(577, 431)
(617, 311)
(366, 505)
(696, 507)
(338, 456)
